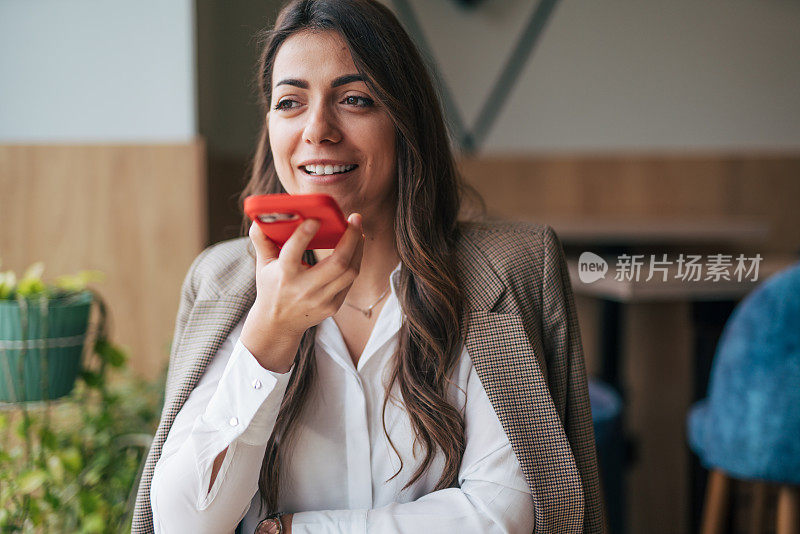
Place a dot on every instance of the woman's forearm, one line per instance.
(483, 508)
(181, 503)
(209, 467)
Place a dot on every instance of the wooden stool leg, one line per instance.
(715, 509)
(759, 500)
(788, 510)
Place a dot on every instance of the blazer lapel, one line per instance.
(508, 367)
(509, 371)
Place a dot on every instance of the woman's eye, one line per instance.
(366, 102)
(280, 105)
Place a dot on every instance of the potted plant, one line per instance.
(71, 464)
(43, 329)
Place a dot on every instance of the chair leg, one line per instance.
(758, 500)
(715, 510)
(788, 510)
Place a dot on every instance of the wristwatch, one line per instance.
(269, 525)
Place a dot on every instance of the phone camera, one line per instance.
(277, 217)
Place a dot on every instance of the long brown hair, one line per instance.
(429, 195)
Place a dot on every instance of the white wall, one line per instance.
(97, 71)
(629, 74)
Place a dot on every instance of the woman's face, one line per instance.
(323, 115)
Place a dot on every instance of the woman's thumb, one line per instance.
(266, 250)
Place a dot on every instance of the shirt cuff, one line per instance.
(330, 522)
(248, 397)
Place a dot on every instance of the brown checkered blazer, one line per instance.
(522, 336)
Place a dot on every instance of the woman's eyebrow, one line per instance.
(347, 78)
(341, 80)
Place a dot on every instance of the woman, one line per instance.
(426, 374)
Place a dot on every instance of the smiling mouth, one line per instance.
(327, 170)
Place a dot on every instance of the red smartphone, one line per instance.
(278, 215)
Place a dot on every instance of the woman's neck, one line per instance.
(378, 261)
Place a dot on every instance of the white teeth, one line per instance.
(328, 169)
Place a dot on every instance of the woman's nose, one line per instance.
(321, 126)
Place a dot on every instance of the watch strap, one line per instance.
(270, 525)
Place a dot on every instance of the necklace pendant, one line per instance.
(368, 313)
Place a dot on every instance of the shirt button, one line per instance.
(256, 384)
(234, 421)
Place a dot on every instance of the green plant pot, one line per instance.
(35, 344)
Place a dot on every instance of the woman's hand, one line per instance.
(292, 296)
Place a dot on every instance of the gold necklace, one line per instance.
(368, 311)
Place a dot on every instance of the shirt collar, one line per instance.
(390, 319)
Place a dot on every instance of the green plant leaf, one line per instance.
(23, 426)
(92, 477)
(34, 512)
(29, 287)
(8, 282)
(47, 438)
(89, 500)
(55, 467)
(72, 459)
(91, 378)
(110, 353)
(30, 481)
(53, 500)
(78, 282)
(31, 282)
(93, 523)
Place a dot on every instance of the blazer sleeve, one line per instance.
(567, 374)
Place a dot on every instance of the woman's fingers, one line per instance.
(291, 255)
(355, 262)
(292, 296)
(266, 250)
(342, 256)
(337, 289)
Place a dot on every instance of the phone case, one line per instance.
(278, 215)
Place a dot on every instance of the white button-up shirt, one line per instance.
(335, 474)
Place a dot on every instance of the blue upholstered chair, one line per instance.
(748, 427)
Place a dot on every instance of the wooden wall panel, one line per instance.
(135, 212)
(748, 186)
